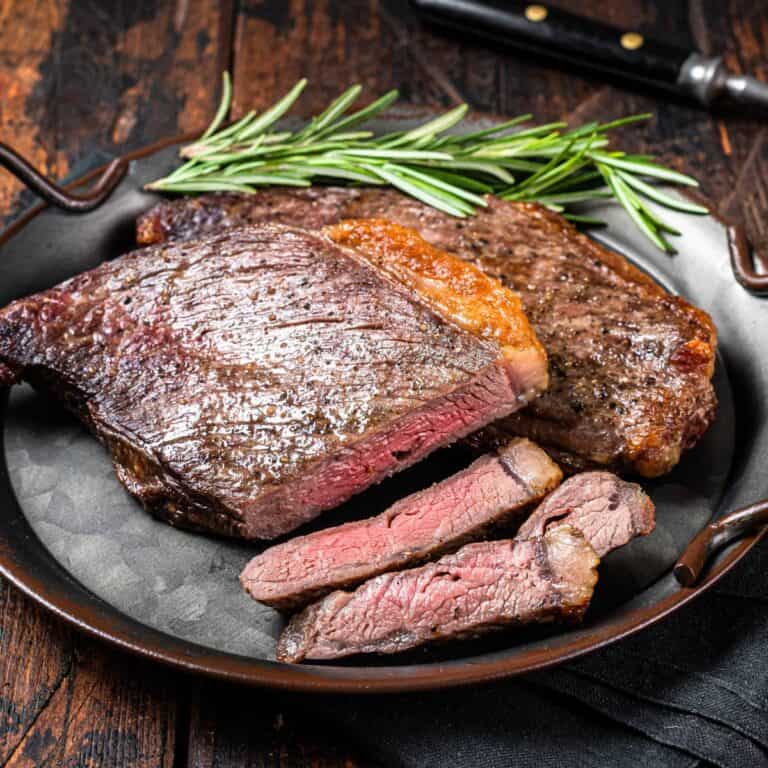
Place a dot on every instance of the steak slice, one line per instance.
(247, 382)
(482, 587)
(608, 511)
(495, 489)
(630, 365)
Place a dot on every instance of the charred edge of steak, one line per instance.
(485, 306)
(163, 495)
(140, 472)
(494, 491)
(482, 588)
(187, 216)
(149, 227)
(608, 511)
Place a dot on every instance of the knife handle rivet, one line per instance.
(631, 41)
(536, 13)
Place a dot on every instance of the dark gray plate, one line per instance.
(71, 537)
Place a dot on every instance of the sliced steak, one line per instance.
(607, 510)
(246, 382)
(630, 365)
(482, 587)
(495, 489)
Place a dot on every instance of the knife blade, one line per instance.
(593, 45)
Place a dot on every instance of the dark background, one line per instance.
(83, 79)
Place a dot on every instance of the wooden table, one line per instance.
(84, 76)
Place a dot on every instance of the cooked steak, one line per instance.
(495, 489)
(246, 382)
(630, 365)
(607, 510)
(477, 302)
(482, 587)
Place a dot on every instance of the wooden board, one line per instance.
(79, 77)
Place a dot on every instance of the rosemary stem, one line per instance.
(433, 162)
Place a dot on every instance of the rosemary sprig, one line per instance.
(551, 164)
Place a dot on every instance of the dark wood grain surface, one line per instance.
(83, 79)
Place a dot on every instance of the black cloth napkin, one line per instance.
(690, 692)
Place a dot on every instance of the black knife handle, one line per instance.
(563, 36)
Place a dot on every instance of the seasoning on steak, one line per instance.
(495, 489)
(246, 382)
(454, 288)
(607, 510)
(630, 365)
(482, 587)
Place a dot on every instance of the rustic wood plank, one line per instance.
(35, 655)
(383, 45)
(65, 700)
(91, 76)
(23, 106)
(234, 727)
(739, 31)
(76, 77)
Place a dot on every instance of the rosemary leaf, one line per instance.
(395, 154)
(433, 127)
(475, 136)
(459, 180)
(624, 196)
(434, 162)
(645, 168)
(334, 111)
(571, 198)
(364, 114)
(588, 221)
(433, 197)
(655, 194)
(202, 185)
(221, 112)
(274, 113)
(438, 183)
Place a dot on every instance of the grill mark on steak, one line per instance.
(227, 398)
(630, 365)
(607, 510)
(494, 490)
(483, 587)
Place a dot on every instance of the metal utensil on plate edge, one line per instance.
(596, 46)
(56, 195)
(715, 536)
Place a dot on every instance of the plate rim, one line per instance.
(188, 656)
